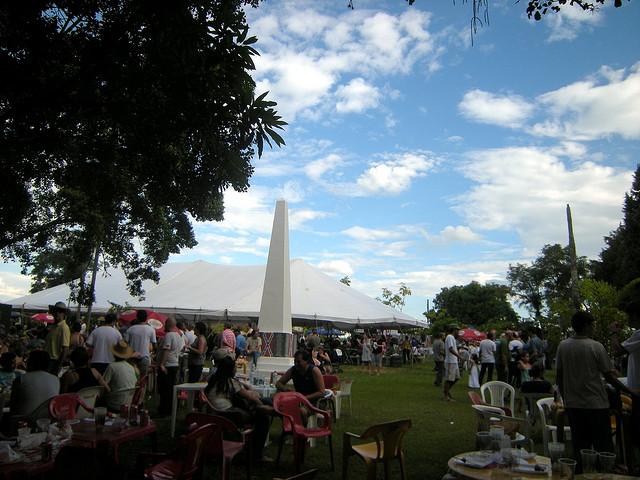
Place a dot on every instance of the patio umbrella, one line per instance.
(154, 319)
(43, 317)
(471, 334)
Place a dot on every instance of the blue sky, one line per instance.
(415, 157)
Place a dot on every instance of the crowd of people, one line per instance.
(585, 377)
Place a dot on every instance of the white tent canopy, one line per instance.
(210, 291)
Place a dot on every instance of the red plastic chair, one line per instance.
(217, 446)
(477, 400)
(287, 405)
(65, 406)
(332, 382)
(192, 447)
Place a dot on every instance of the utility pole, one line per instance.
(573, 262)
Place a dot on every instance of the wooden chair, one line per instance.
(309, 475)
(188, 464)
(287, 406)
(497, 391)
(217, 447)
(385, 448)
(344, 392)
(65, 406)
(89, 396)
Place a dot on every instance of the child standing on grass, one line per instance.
(474, 362)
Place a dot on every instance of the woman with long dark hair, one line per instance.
(196, 353)
(225, 392)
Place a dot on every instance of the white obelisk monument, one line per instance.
(274, 320)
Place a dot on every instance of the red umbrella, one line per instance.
(154, 319)
(471, 334)
(43, 317)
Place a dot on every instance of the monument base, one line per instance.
(268, 365)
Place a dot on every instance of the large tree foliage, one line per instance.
(122, 121)
(477, 305)
(545, 280)
(620, 260)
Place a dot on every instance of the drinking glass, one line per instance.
(483, 441)
(556, 450)
(496, 432)
(100, 416)
(567, 468)
(589, 460)
(607, 462)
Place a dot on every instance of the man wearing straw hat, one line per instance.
(58, 338)
(120, 374)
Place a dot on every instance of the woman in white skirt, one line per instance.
(366, 357)
(473, 364)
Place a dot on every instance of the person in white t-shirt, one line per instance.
(487, 357)
(101, 339)
(142, 338)
(451, 360)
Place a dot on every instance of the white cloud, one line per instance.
(394, 175)
(315, 170)
(13, 285)
(460, 234)
(566, 24)
(336, 267)
(588, 110)
(526, 190)
(508, 111)
(306, 56)
(369, 234)
(356, 97)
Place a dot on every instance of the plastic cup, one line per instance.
(483, 441)
(556, 450)
(567, 468)
(100, 416)
(589, 461)
(607, 463)
(23, 432)
(496, 432)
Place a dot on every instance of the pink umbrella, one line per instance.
(154, 319)
(43, 317)
(471, 334)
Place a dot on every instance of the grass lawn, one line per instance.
(440, 429)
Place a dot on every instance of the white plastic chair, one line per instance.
(488, 415)
(497, 391)
(89, 396)
(544, 407)
(122, 397)
(529, 405)
(345, 391)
